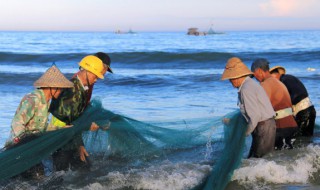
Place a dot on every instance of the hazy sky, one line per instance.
(158, 15)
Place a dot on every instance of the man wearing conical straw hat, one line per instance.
(281, 103)
(254, 105)
(71, 104)
(31, 116)
(303, 110)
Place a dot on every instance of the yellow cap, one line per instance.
(93, 64)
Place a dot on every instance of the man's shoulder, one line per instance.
(289, 79)
(249, 84)
(32, 97)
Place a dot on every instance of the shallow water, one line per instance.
(165, 78)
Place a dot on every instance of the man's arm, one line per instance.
(22, 116)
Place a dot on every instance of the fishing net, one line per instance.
(234, 143)
(126, 138)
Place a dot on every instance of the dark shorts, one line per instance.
(263, 138)
(306, 121)
(284, 138)
(69, 159)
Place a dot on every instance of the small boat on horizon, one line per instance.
(121, 32)
(194, 31)
(212, 32)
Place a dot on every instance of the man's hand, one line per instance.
(16, 140)
(94, 126)
(83, 153)
(226, 121)
(106, 127)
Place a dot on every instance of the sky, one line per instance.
(158, 15)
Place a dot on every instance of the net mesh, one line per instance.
(130, 139)
(230, 159)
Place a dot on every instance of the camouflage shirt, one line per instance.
(71, 102)
(31, 115)
(69, 106)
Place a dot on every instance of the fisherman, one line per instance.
(71, 104)
(106, 61)
(254, 105)
(303, 110)
(31, 117)
(281, 103)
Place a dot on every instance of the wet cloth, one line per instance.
(280, 99)
(256, 108)
(263, 138)
(305, 116)
(306, 121)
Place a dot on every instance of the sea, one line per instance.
(166, 77)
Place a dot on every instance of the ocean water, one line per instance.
(165, 78)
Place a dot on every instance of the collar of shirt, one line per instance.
(239, 89)
(43, 97)
(84, 87)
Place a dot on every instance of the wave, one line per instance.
(127, 77)
(178, 59)
(301, 167)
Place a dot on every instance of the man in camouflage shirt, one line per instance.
(71, 104)
(31, 116)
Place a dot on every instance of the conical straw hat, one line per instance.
(235, 68)
(53, 78)
(281, 70)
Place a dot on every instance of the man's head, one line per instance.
(91, 68)
(277, 71)
(236, 71)
(260, 69)
(54, 81)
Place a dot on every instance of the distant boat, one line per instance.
(195, 32)
(131, 32)
(121, 32)
(212, 32)
(118, 32)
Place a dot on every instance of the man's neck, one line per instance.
(47, 94)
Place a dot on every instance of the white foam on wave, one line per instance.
(166, 176)
(172, 72)
(299, 168)
(94, 186)
(31, 69)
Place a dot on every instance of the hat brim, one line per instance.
(109, 69)
(281, 70)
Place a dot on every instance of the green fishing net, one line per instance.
(230, 159)
(130, 139)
